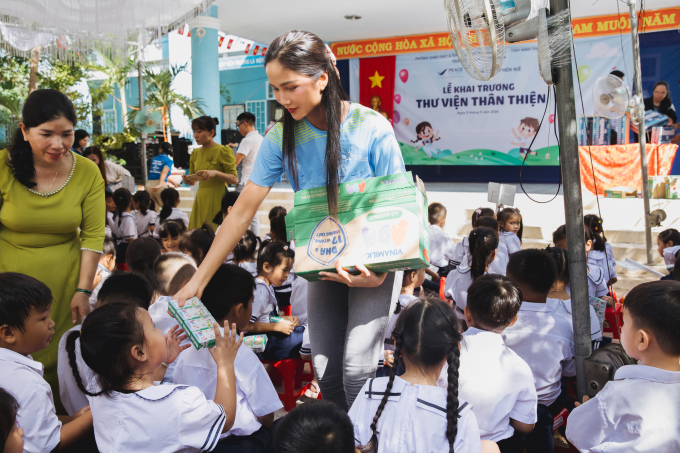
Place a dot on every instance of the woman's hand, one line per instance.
(192, 289)
(80, 306)
(367, 279)
(206, 174)
(191, 179)
(173, 347)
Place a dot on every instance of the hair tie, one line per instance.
(333, 60)
(285, 247)
(478, 211)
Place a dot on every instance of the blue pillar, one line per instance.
(205, 71)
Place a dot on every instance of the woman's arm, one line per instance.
(224, 177)
(233, 227)
(80, 304)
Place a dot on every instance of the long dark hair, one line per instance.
(482, 242)
(145, 202)
(205, 123)
(107, 335)
(8, 416)
(228, 200)
(277, 224)
(598, 242)
(427, 333)
(273, 253)
(197, 242)
(140, 256)
(100, 156)
(305, 53)
(506, 214)
(123, 201)
(246, 247)
(560, 257)
(169, 197)
(40, 107)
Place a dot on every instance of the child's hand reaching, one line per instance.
(284, 326)
(173, 347)
(389, 358)
(226, 347)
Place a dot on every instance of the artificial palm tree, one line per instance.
(161, 96)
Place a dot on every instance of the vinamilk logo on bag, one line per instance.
(387, 237)
(327, 242)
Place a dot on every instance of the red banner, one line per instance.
(376, 80)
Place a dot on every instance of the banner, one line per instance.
(442, 116)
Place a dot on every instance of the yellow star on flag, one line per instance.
(376, 80)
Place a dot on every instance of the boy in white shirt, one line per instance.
(492, 377)
(542, 338)
(638, 410)
(125, 287)
(442, 248)
(26, 328)
(229, 298)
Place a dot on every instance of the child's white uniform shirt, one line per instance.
(414, 419)
(176, 214)
(264, 301)
(563, 308)
(636, 412)
(597, 285)
(143, 222)
(457, 284)
(255, 393)
(404, 301)
(510, 240)
(95, 292)
(461, 257)
(546, 343)
(107, 228)
(22, 377)
(126, 230)
(442, 248)
(669, 255)
(163, 419)
(298, 300)
(71, 397)
(249, 266)
(496, 382)
(602, 260)
(163, 321)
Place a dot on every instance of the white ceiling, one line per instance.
(264, 20)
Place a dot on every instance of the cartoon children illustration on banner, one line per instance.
(524, 133)
(427, 136)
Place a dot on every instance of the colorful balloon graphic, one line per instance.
(396, 117)
(583, 73)
(403, 75)
(406, 121)
(397, 98)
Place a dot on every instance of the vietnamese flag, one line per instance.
(221, 40)
(376, 78)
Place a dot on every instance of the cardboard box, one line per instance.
(196, 321)
(652, 119)
(382, 224)
(657, 186)
(620, 192)
(673, 187)
(257, 343)
(595, 128)
(662, 135)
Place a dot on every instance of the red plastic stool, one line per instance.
(442, 288)
(560, 419)
(292, 372)
(614, 317)
(287, 310)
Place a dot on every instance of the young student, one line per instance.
(493, 378)
(229, 298)
(127, 353)
(197, 242)
(123, 226)
(171, 272)
(284, 335)
(482, 212)
(169, 233)
(511, 227)
(315, 427)
(275, 213)
(636, 411)
(442, 248)
(542, 338)
(483, 244)
(121, 287)
(277, 229)
(11, 434)
(145, 213)
(170, 211)
(560, 300)
(500, 263)
(110, 209)
(411, 413)
(141, 255)
(602, 254)
(668, 242)
(463, 247)
(412, 279)
(26, 328)
(228, 201)
(245, 252)
(107, 264)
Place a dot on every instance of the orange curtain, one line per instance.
(620, 165)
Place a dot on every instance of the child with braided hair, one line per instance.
(411, 413)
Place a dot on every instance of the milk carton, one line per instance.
(382, 223)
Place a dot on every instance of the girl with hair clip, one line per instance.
(197, 242)
(483, 244)
(668, 242)
(170, 233)
(245, 252)
(145, 213)
(123, 226)
(141, 255)
(597, 286)
(595, 223)
(211, 166)
(411, 413)
(511, 227)
(598, 255)
(120, 343)
(321, 141)
(462, 248)
(277, 222)
(170, 210)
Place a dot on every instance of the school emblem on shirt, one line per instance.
(327, 242)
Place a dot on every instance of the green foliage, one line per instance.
(63, 76)
(226, 95)
(14, 74)
(160, 95)
(114, 141)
